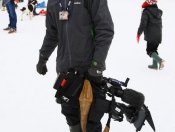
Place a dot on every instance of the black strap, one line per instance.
(62, 8)
(111, 108)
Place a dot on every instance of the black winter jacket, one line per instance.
(73, 37)
(151, 24)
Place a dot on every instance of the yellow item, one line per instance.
(106, 129)
(3, 8)
(85, 99)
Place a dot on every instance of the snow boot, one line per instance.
(12, 31)
(7, 29)
(154, 65)
(76, 128)
(155, 56)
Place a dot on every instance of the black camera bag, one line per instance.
(68, 88)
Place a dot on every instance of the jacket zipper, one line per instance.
(67, 38)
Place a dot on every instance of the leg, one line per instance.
(151, 48)
(94, 126)
(22, 15)
(12, 13)
(30, 11)
(72, 115)
(152, 52)
(34, 12)
(161, 62)
(8, 10)
(30, 15)
(76, 128)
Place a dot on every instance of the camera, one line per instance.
(136, 112)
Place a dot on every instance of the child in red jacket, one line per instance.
(151, 25)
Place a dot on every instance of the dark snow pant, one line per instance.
(72, 115)
(151, 48)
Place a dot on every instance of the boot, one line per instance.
(12, 31)
(7, 29)
(76, 128)
(154, 65)
(158, 59)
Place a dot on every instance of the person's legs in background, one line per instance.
(12, 17)
(153, 53)
(8, 27)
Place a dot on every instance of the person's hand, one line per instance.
(95, 75)
(138, 38)
(41, 67)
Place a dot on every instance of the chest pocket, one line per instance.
(80, 12)
(78, 5)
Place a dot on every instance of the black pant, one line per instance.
(151, 48)
(72, 115)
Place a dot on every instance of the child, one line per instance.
(151, 25)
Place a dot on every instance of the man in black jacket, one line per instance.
(151, 24)
(83, 31)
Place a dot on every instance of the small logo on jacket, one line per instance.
(77, 3)
(65, 99)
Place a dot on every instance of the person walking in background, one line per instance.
(151, 25)
(10, 6)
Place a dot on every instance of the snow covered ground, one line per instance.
(27, 98)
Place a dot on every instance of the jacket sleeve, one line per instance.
(51, 37)
(143, 23)
(103, 31)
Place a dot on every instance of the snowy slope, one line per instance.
(27, 98)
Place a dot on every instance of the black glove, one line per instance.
(95, 75)
(41, 66)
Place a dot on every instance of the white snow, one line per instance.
(27, 102)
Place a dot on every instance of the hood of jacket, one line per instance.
(153, 9)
